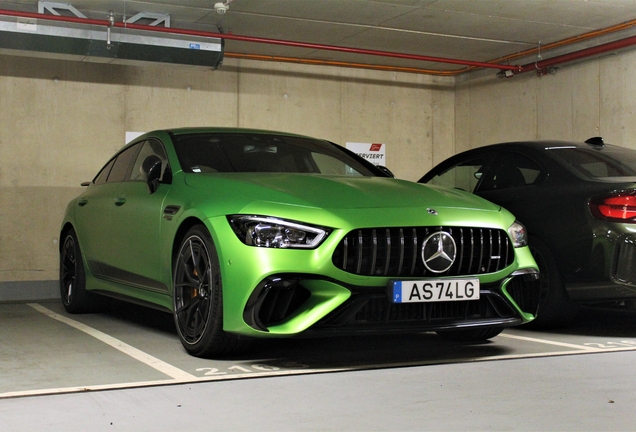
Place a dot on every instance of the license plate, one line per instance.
(435, 290)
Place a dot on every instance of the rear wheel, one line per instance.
(73, 277)
(198, 297)
(470, 334)
(555, 307)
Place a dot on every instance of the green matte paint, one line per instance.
(137, 238)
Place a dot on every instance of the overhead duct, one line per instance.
(95, 43)
(208, 36)
(133, 43)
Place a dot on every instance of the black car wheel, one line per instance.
(73, 277)
(555, 307)
(470, 335)
(198, 297)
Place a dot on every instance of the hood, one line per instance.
(333, 192)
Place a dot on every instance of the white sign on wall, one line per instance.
(132, 135)
(373, 152)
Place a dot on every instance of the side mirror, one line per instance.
(151, 170)
(387, 172)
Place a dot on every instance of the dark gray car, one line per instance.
(578, 202)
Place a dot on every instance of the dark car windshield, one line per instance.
(257, 152)
(609, 161)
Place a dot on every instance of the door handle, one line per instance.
(120, 201)
(82, 202)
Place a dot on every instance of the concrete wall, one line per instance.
(61, 120)
(593, 98)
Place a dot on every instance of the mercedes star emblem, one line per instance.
(439, 251)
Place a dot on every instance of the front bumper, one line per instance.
(283, 292)
(282, 305)
(609, 273)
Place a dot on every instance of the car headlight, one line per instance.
(263, 231)
(518, 234)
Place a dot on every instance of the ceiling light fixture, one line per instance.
(222, 7)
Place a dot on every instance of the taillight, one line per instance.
(620, 207)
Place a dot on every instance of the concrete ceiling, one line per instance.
(472, 30)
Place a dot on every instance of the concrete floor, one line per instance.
(126, 370)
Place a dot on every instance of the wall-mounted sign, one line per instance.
(132, 135)
(373, 152)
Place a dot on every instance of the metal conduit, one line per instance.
(577, 55)
(471, 65)
(106, 23)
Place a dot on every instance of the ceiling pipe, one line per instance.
(557, 44)
(385, 68)
(106, 23)
(577, 55)
(507, 70)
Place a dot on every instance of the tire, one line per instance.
(555, 307)
(198, 298)
(73, 292)
(471, 334)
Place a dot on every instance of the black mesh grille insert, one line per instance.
(623, 268)
(525, 291)
(373, 310)
(395, 252)
(379, 310)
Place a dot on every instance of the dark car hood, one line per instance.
(322, 191)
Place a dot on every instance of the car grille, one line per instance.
(396, 252)
(374, 310)
(380, 310)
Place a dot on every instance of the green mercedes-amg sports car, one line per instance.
(244, 233)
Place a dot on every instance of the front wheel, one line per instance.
(198, 297)
(555, 307)
(470, 334)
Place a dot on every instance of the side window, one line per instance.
(511, 170)
(122, 164)
(327, 164)
(332, 166)
(465, 175)
(597, 169)
(149, 148)
(103, 174)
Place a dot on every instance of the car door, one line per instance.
(135, 226)
(94, 210)
(551, 210)
(510, 180)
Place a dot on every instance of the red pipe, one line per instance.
(105, 23)
(587, 52)
(516, 69)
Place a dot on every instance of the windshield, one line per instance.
(609, 161)
(254, 152)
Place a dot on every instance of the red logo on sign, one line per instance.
(375, 147)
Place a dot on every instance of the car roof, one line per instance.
(203, 130)
(541, 145)
(538, 150)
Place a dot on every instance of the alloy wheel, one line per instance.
(68, 269)
(192, 289)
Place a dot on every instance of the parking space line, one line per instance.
(129, 350)
(551, 342)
